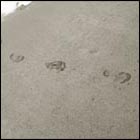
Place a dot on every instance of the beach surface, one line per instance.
(70, 70)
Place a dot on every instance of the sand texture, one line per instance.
(71, 70)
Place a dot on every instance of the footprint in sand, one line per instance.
(106, 73)
(16, 58)
(122, 77)
(57, 65)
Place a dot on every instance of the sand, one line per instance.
(70, 70)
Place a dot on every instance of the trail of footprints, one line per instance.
(55, 65)
(121, 77)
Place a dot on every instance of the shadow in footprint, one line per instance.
(16, 58)
(57, 65)
(122, 77)
(106, 73)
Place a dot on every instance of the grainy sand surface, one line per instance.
(70, 70)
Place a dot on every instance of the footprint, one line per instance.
(16, 58)
(122, 77)
(57, 65)
(106, 73)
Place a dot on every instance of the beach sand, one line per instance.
(70, 70)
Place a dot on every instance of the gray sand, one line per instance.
(70, 70)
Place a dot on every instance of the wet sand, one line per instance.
(70, 70)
